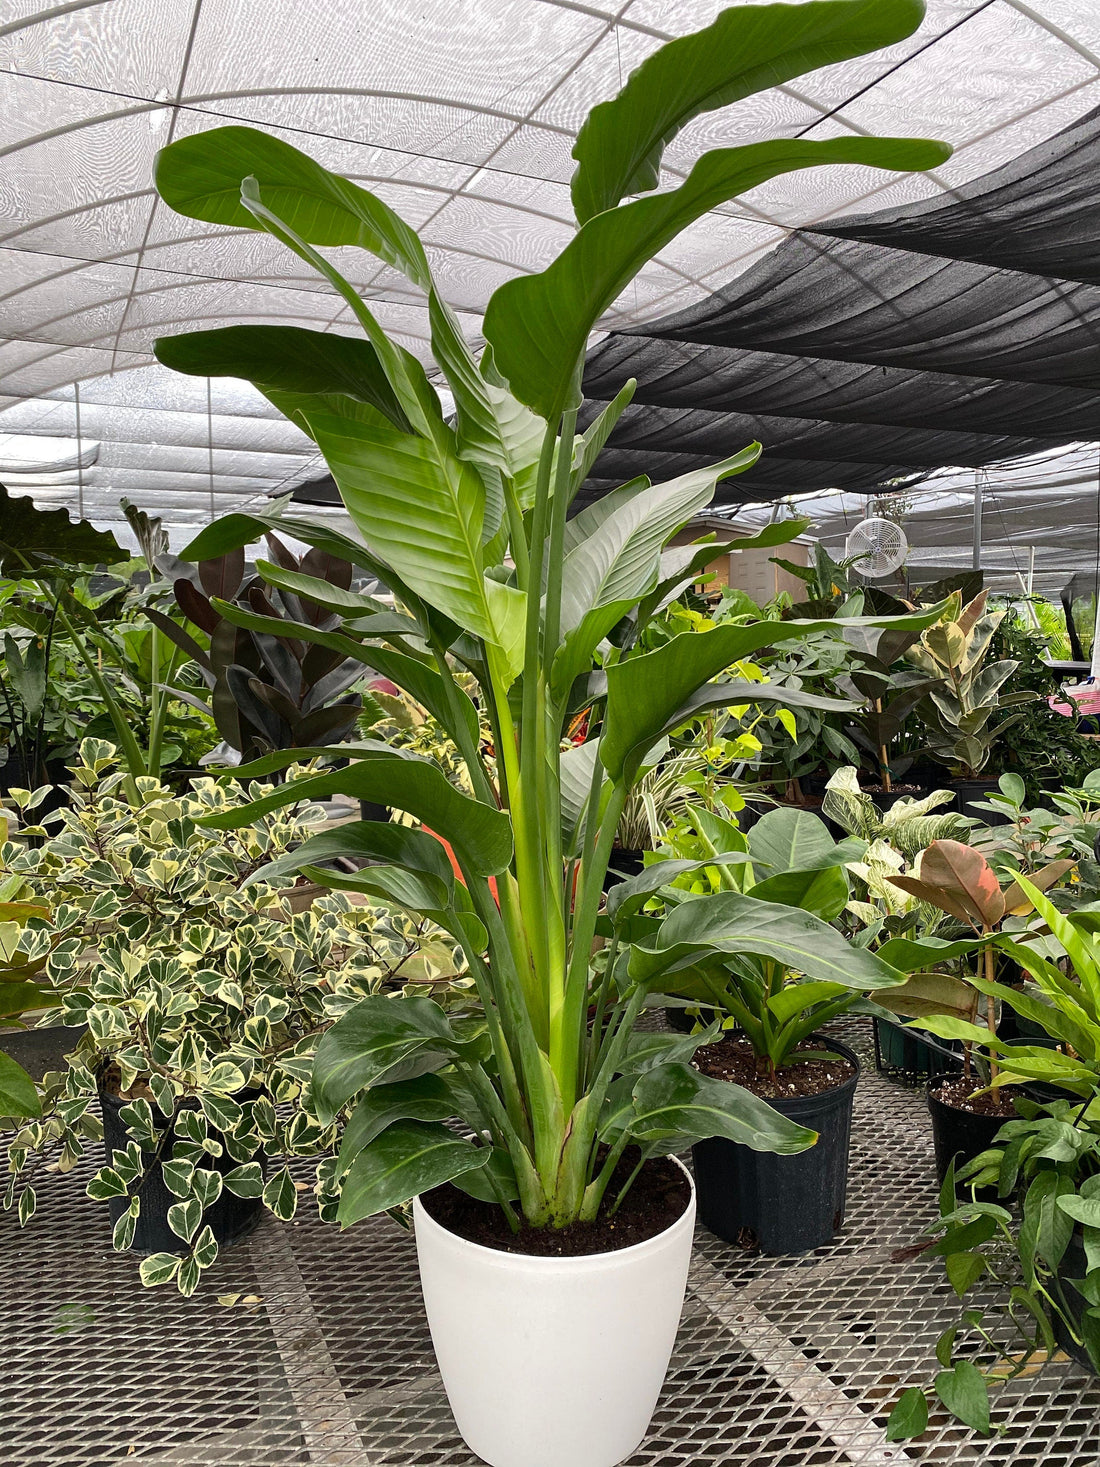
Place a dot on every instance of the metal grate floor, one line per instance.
(779, 1363)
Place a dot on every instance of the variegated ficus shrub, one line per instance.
(204, 998)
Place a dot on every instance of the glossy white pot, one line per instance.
(553, 1362)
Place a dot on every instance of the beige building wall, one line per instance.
(750, 571)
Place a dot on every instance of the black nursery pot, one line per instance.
(902, 1054)
(968, 792)
(624, 863)
(231, 1218)
(783, 1204)
(371, 810)
(960, 1134)
(1074, 1265)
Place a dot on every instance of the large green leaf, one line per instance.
(675, 1103)
(369, 840)
(731, 923)
(792, 840)
(424, 1098)
(605, 574)
(408, 1158)
(33, 539)
(204, 176)
(18, 1095)
(372, 1039)
(538, 325)
(287, 359)
(480, 835)
(648, 695)
(749, 48)
(822, 891)
(423, 511)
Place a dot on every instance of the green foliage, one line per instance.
(34, 540)
(205, 990)
(965, 711)
(466, 523)
(267, 689)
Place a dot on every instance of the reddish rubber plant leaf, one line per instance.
(958, 880)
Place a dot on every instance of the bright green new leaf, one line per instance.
(18, 1095)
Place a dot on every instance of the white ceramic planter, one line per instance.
(553, 1362)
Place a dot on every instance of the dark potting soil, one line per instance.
(659, 1195)
(895, 789)
(733, 1059)
(957, 1094)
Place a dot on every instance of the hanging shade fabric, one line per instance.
(869, 342)
(1043, 219)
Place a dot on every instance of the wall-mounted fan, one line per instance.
(876, 547)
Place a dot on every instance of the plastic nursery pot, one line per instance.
(902, 1054)
(684, 1022)
(1074, 1265)
(968, 792)
(552, 1362)
(904, 790)
(783, 1204)
(960, 1133)
(371, 810)
(231, 1218)
(624, 863)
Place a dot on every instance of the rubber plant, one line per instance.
(468, 523)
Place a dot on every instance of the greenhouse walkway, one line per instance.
(324, 1359)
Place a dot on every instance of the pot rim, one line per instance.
(847, 1052)
(588, 1262)
(936, 1082)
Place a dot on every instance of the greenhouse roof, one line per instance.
(461, 116)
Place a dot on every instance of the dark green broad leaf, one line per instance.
(538, 325)
(371, 1039)
(493, 1182)
(747, 49)
(617, 561)
(674, 1102)
(909, 1418)
(649, 695)
(964, 1392)
(409, 673)
(406, 1159)
(645, 1051)
(371, 840)
(792, 840)
(33, 539)
(250, 180)
(731, 923)
(425, 1098)
(286, 359)
(824, 892)
(481, 836)
(627, 897)
(413, 890)
(18, 1095)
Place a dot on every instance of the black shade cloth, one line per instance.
(1040, 213)
(875, 350)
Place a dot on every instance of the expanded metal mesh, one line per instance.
(780, 1362)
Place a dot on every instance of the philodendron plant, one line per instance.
(468, 523)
